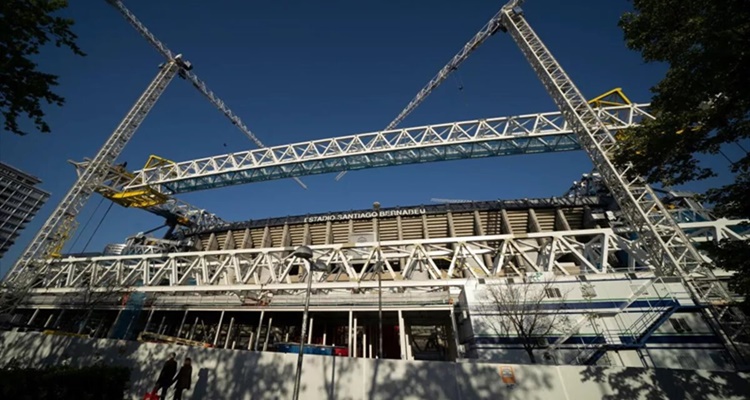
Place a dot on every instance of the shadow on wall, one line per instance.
(201, 385)
(220, 373)
(658, 384)
(228, 374)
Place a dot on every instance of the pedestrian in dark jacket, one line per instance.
(166, 375)
(183, 379)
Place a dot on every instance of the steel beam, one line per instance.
(411, 263)
(524, 134)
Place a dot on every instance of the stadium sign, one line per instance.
(366, 215)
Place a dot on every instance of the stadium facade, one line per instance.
(569, 259)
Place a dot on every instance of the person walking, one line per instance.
(166, 375)
(183, 379)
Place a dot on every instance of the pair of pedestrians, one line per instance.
(169, 376)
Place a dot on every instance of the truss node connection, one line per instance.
(176, 212)
(525, 134)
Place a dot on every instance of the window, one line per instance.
(553, 292)
(680, 325)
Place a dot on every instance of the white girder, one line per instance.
(189, 215)
(436, 260)
(487, 30)
(524, 134)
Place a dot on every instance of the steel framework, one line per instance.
(175, 211)
(61, 222)
(407, 263)
(667, 245)
(525, 134)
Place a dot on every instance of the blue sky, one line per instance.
(300, 70)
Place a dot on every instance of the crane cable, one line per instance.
(97, 227)
(80, 232)
(460, 86)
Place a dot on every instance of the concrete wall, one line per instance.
(227, 374)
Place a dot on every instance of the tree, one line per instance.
(26, 26)
(702, 106)
(521, 309)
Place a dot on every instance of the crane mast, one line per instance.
(58, 226)
(190, 76)
(669, 249)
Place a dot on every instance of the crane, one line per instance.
(487, 30)
(189, 76)
(659, 234)
(62, 221)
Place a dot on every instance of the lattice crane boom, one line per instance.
(190, 76)
(58, 226)
(487, 30)
(659, 234)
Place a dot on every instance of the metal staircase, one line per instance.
(622, 334)
(575, 328)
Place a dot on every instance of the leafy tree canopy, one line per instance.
(26, 26)
(702, 103)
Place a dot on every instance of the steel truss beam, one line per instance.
(524, 134)
(440, 261)
(173, 210)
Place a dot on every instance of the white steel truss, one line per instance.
(172, 209)
(668, 247)
(407, 263)
(524, 134)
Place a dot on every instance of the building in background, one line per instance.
(20, 199)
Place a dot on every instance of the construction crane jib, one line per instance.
(59, 225)
(668, 247)
(487, 30)
(190, 76)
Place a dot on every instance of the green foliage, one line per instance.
(26, 26)
(736, 255)
(59, 383)
(702, 103)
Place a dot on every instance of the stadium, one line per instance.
(609, 273)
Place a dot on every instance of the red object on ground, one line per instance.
(341, 351)
(151, 396)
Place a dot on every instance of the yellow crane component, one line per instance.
(139, 198)
(156, 161)
(68, 225)
(614, 97)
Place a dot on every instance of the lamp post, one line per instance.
(379, 263)
(306, 254)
